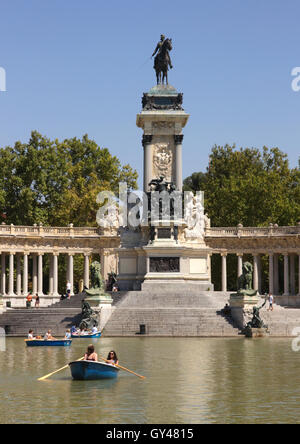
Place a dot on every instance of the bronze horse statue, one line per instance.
(162, 62)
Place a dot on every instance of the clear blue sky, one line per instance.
(76, 67)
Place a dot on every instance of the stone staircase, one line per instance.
(282, 320)
(175, 314)
(187, 314)
(58, 318)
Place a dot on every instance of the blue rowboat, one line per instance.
(50, 343)
(95, 335)
(90, 370)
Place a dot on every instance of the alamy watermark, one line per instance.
(2, 340)
(296, 340)
(296, 80)
(138, 208)
(2, 79)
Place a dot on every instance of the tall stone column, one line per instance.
(71, 272)
(55, 274)
(299, 275)
(276, 274)
(40, 274)
(147, 139)
(240, 264)
(292, 274)
(19, 278)
(3, 274)
(255, 272)
(271, 273)
(11, 275)
(178, 138)
(224, 271)
(25, 274)
(86, 280)
(259, 274)
(286, 275)
(34, 274)
(51, 289)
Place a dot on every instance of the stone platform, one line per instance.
(59, 317)
(177, 314)
(170, 314)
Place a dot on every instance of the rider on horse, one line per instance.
(158, 49)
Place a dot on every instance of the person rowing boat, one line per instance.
(90, 354)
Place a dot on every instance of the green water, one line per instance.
(188, 381)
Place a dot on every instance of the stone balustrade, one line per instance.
(43, 231)
(272, 230)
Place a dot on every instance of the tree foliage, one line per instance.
(248, 186)
(56, 183)
(251, 187)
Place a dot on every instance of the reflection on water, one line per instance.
(189, 380)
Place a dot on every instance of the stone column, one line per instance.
(178, 138)
(286, 275)
(71, 273)
(40, 274)
(224, 271)
(259, 273)
(240, 264)
(55, 274)
(11, 275)
(86, 279)
(147, 139)
(255, 272)
(50, 274)
(299, 275)
(34, 274)
(25, 274)
(18, 274)
(292, 274)
(271, 273)
(276, 274)
(3, 274)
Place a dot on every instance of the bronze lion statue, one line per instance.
(96, 278)
(245, 280)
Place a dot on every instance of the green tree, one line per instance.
(248, 186)
(56, 183)
(251, 187)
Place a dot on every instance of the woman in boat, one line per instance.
(68, 334)
(94, 330)
(90, 354)
(112, 358)
(48, 336)
(31, 335)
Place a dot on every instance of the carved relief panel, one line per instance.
(163, 161)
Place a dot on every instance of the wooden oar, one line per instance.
(123, 368)
(56, 371)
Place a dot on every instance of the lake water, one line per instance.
(188, 380)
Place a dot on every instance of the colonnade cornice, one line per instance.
(257, 252)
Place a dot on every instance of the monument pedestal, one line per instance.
(168, 253)
(241, 306)
(101, 303)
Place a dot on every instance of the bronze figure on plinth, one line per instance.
(162, 60)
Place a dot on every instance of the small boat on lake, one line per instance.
(91, 336)
(49, 343)
(91, 370)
